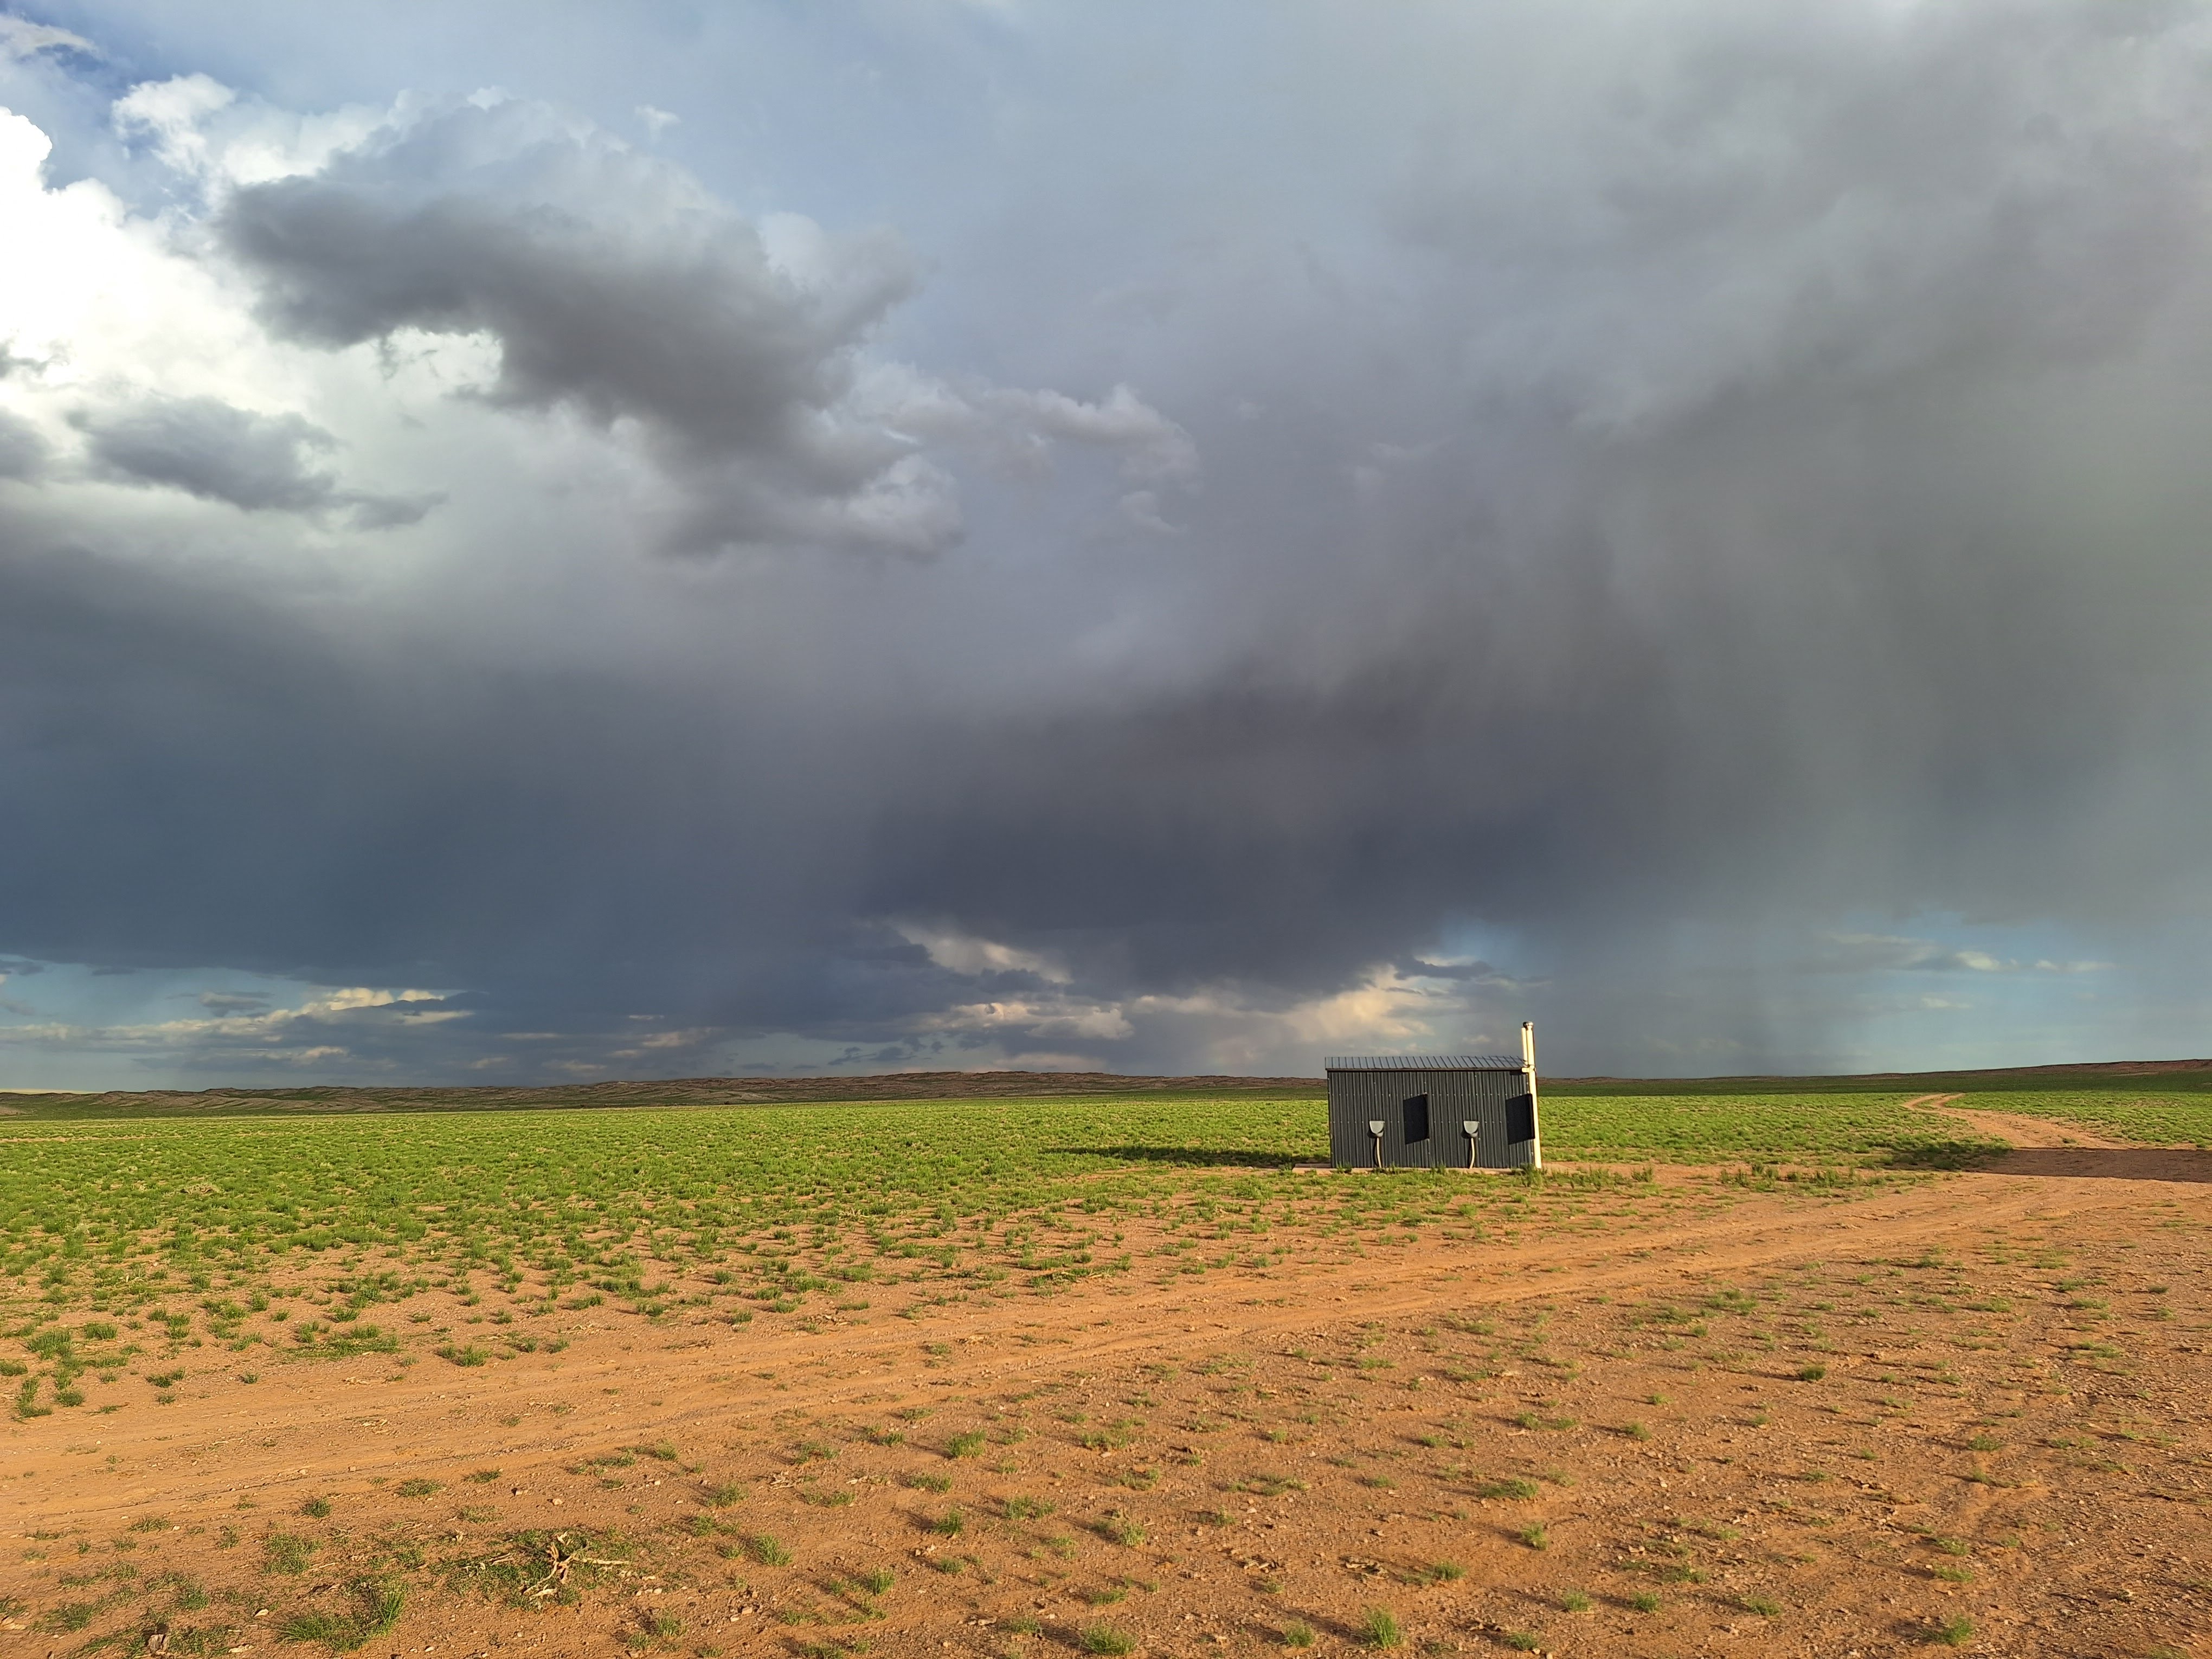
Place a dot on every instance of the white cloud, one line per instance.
(1016, 431)
(20, 38)
(174, 114)
(1895, 953)
(966, 953)
(678, 1039)
(1226, 1027)
(284, 1033)
(1065, 1016)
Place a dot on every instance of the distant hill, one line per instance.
(2168, 1076)
(667, 1092)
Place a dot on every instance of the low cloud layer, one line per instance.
(1688, 527)
(203, 446)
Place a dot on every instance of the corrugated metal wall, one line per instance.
(1486, 1099)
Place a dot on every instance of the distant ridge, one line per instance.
(2186, 1076)
(338, 1099)
(2071, 1068)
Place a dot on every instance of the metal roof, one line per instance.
(1422, 1063)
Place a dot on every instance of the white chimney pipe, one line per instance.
(1529, 1071)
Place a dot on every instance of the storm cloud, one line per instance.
(205, 447)
(1688, 528)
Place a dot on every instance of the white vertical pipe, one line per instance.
(1529, 1071)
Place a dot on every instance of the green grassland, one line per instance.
(617, 1201)
(306, 1237)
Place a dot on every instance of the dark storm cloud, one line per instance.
(1732, 480)
(326, 809)
(208, 448)
(613, 286)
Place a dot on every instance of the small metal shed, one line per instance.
(1435, 1111)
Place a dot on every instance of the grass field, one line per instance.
(591, 1357)
(306, 1237)
(107, 1211)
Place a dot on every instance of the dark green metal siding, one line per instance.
(1484, 1099)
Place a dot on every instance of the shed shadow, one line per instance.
(2186, 1164)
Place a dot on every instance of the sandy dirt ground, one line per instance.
(1965, 1411)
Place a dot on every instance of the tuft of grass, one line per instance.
(286, 1553)
(1381, 1629)
(1121, 1529)
(1811, 1373)
(766, 1551)
(316, 1508)
(1027, 1508)
(1764, 1606)
(1535, 1537)
(1537, 1420)
(376, 1608)
(1574, 1600)
(951, 1524)
(721, 1496)
(1298, 1635)
(70, 1616)
(1522, 1641)
(963, 1446)
(1104, 1639)
(1955, 1631)
(418, 1487)
(659, 1626)
(1515, 1489)
(877, 1580)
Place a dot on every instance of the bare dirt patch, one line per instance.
(1751, 1418)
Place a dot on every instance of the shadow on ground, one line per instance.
(2108, 1162)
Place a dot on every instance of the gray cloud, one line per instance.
(208, 448)
(22, 451)
(617, 288)
(1701, 510)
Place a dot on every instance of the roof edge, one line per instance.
(1422, 1063)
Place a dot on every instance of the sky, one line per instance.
(548, 541)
